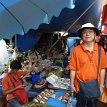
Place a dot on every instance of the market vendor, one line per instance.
(12, 83)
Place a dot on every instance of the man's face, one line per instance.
(88, 35)
(14, 71)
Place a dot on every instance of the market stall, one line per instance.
(47, 79)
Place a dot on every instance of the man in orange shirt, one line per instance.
(8, 85)
(84, 62)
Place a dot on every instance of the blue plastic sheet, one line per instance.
(55, 102)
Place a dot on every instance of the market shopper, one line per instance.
(84, 62)
(13, 87)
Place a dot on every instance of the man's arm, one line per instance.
(12, 90)
(72, 78)
(102, 78)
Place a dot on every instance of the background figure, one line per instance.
(71, 42)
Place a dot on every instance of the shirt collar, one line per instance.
(95, 47)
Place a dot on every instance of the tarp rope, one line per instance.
(13, 16)
(73, 23)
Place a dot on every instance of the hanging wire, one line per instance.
(73, 23)
(13, 17)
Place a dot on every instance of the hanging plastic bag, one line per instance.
(14, 56)
(4, 55)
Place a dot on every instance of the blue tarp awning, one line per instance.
(18, 16)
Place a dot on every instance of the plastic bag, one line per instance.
(14, 56)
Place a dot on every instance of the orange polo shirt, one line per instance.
(80, 62)
(7, 84)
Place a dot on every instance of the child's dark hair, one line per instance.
(15, 64)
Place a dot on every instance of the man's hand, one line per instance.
(20, 87)
(73, 89)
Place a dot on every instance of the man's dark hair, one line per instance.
(15, 64)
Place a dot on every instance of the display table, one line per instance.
(55, 102)
(52, 98)
(51, 102)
